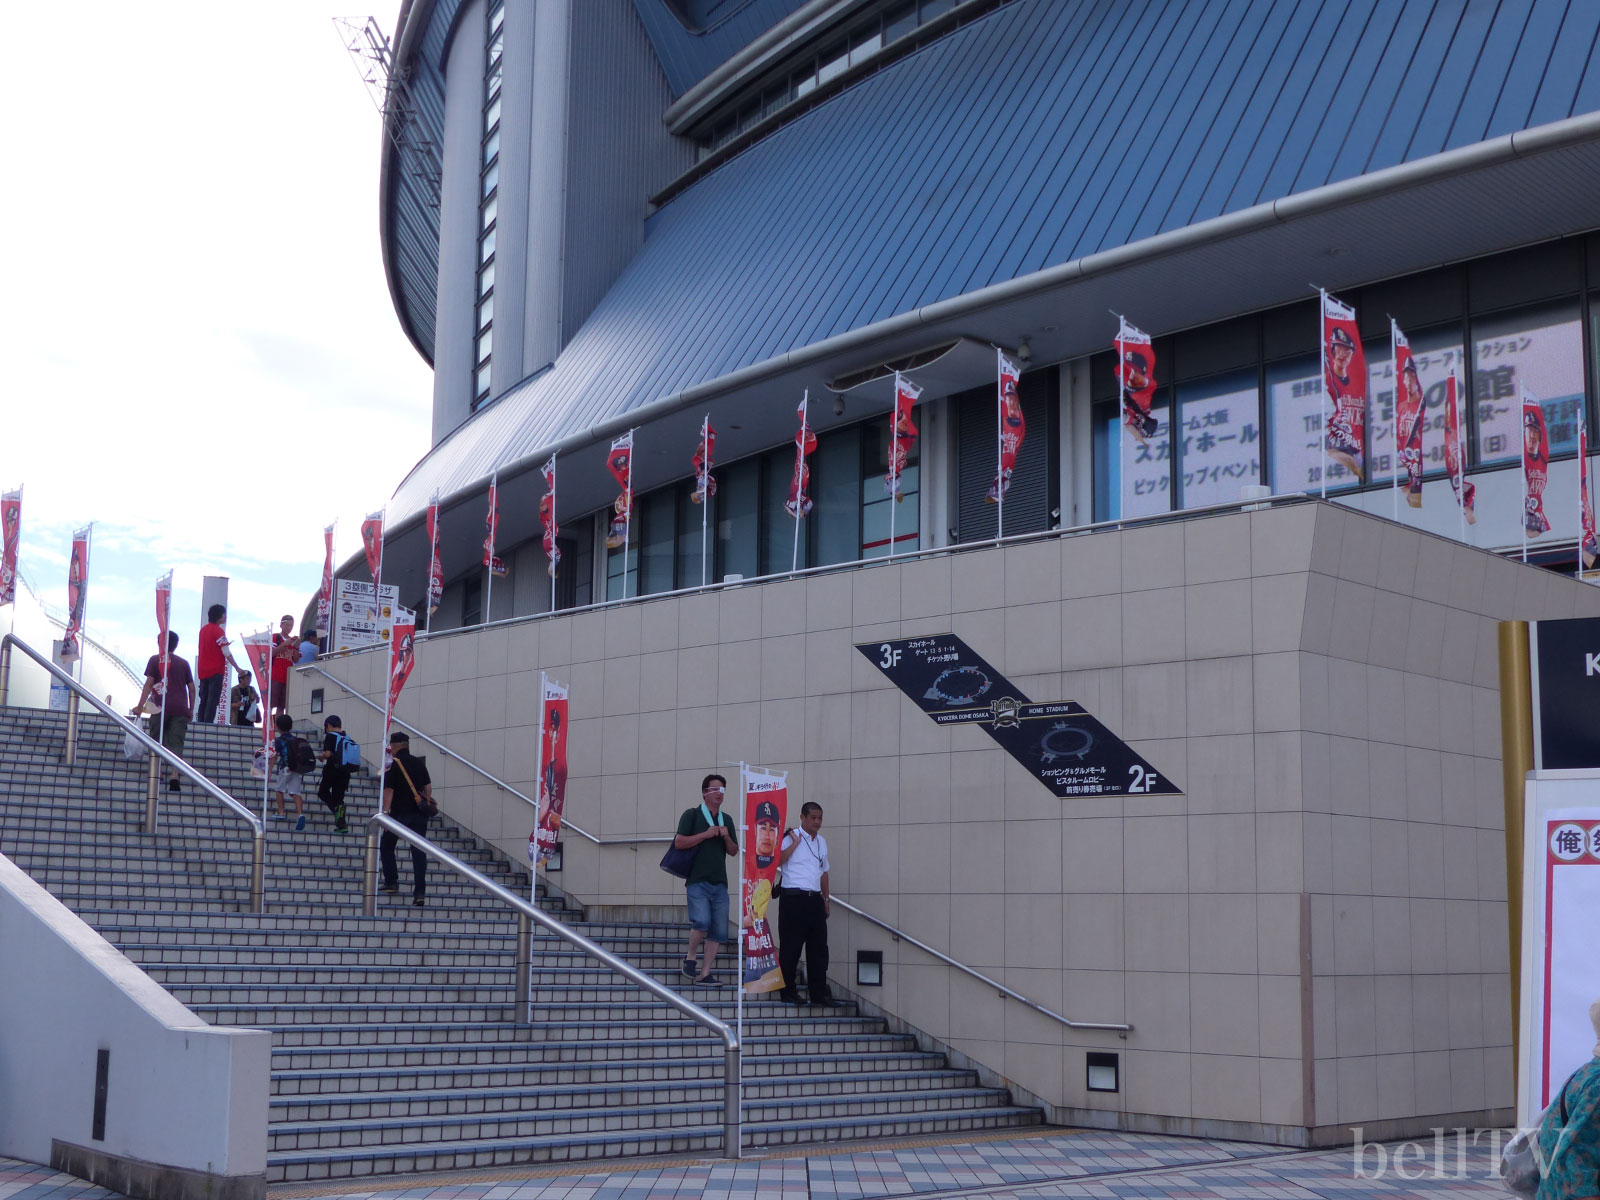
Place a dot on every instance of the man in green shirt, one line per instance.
(714, 838)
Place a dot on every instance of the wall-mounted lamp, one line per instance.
(869, 968)
(838, 406)
(1024, 351)
(1102, 1072)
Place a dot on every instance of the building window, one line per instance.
(1133, 476)
(1539, 348)
(1436, 352)
(489, 159)
(1219, 437)
(882, 515)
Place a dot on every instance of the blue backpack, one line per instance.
(349, 750)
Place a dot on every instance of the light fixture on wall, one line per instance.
(553, 863)
(1024, 351)
(869, 968)
(838, 406)
(1102, 1072)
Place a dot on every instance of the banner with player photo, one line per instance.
(766, 808)
(547, 518)
(435, 565)
(902, 435)
(1455, 454)
(10, 547)
(77, 595)
(552, 794)
(1136, 379)
(1012, 428)
(1410, 418)
(325, 596)
(258, 652)
(372, 543)
(704, 484)
(620, 464)
(1344, 370)
(1535, 468)
(805, 441)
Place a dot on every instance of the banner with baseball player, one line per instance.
(620, 463)
(805, 441)
(10, 547)
(491, 527)
(325, 596)
(552, 795)
(902, 436)
(1535, 469)
(1344, 372)
(1588, 542)
(1136, 379)
(547, 518)
(766, 808)
(1011, 428)
(372, 543)
(435, 564)
(1409, 416)
(1455, 453)
(77, 595)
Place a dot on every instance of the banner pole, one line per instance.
(1399, 450)
(1523, 456)
(1322, 383)
(1460, 474)
(705, 490)
(166, 667)
(999, 448)
(1122, 412)
(800, 453)
(427, 601)
(744, 789)
(894, 461)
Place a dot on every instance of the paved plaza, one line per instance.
(1090, 1164)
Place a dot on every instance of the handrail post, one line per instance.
(5, 672)
(152, 794)
(258, 870)
(369, 874)
(70, 754)
(732, 1105)
(524, 967)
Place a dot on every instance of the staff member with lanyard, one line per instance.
(805, 907)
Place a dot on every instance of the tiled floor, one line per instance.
(1056, 1163)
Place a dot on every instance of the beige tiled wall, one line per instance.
(1322, 684)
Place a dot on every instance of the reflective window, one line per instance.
(491, 209)
(486, 310)
(491, 116)
(697, 536)
(491, 145)
(781, 541)
(486, 279)
(486, 246)
(1134, 478)
(833, 62)
(899, 21)
(1219, 442)
(1296, 415)
(836, 495)
(1436, 352)
(1538, 348)
(883, 516)
(482, 381)
(485, 344)
(864, 46)
(656, 531)
(614, 567)
(737, 528)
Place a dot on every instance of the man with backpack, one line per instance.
(295, 760)
(341, 757)
(408, 798)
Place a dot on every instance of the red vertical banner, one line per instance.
(164, 609)
(805, 441)
(10, 543)
(372, 543)
(620, 464)
(402, 657)
(766, 808)
(258, 649)
(435, 566)
(552, 767)
(1012, 427)
(1136, 377)
(325, 596)
(1344, 368)
(1409, 420)
(1588, 542)
(1535, 465)
(491, 526)
(77, 595)
(1455, 454)
(704, 484)
(547, 515)
(902, 436)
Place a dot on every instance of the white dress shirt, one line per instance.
(807, 865)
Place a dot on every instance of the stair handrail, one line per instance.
(901, 935)
(526, 912)
(77, 692)
(566, 822)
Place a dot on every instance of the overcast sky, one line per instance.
(199, 350)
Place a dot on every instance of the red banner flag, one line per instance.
(805, 441)
(372, 543)
(1535, 465)
(620, 464)
(77, 595)
(164, 608)
(491, 520)
(10, 546)
(1344, 368)
(552, 769)
(402, 657)
(547, 515)
(1588, 542)
(325, 596)
(766, 808)
(704, 484)
(902, 436)
(435, 566)
(1012, 427)
(1455, 456)
(1409, 419)
(258, 649)
(1136, 376)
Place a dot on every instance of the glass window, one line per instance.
(491, 115)
(1538, 348)
(738, 506)
(834, 60)
(1134, 478)
(1219, 447)
(694, 566)
(836, 494)
(1436, 352)
(491, 145)
(472, 600)
(935, 8)
(1295, 419)
(655, 530)
(486, 310)
(485, 344)
(899, 21)
(486, 246)
(883, 516)
(614, 566)
(778, 533)
(863, 46)
(491, 178)
(486, 279)
(491, 209)
(805, 82)
(482, 381)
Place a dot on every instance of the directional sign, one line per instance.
(1064, 747)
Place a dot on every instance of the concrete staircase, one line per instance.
(395, 1044)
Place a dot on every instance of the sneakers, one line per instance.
(275, 817)
(710, 981)
(388, 887)
(417, 902)
(300, 823)
(338, 821)
(690, 968)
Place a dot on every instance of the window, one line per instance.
(1296, 416)
(1436, 352)
(836, 497)
(472, 600)
(1134, 475)
(1219, 439)
(1031, 499)
(737, 518)
(1539, 348)
(488, 206)
(785, 542)
(656, 530)
(697, 546)
(884, 516)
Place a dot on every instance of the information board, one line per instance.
(359, 620)
(1060, 742)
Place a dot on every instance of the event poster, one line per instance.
(435, 566)
(361, 619)
(1455, 454)
(11, 527)
(902, 436)
(1344, 368)
(1410, 415)
(766, 808)
(1136, 376)
(77, 595)
(1012, 427)
(1535, 465)
(620, 463)
(402, 652)
(552, 765)
(372, 544)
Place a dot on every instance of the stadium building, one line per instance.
(600, 216)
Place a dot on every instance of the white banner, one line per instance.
(358, 620)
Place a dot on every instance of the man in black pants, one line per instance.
(335, 775)
(805, 907)
(408, 798)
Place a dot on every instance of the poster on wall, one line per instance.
(552, 767)
(766, 808)
(360, 621)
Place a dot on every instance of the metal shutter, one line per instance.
(1030, 498)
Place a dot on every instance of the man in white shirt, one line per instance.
(805, 907)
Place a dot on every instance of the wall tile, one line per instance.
(1393, 1011)
(1153, 626)
(1278, 767)
(783, 607)
(1158, 1008)
(828, 602)
(1281, 539)
(1157, 1082)
(924, 788)
(1091, 565)
(783, 666)
(1359, 550)
(1226, 1088)
(1277, 611)
(1278, 936)
(1351, 847)
(1033, 638)
(1425, 851)
(1220, 696)
(1391, 626)
(1278, 1006)
(1092, 927)
(1155, 854)
(1397, 559)
(1428, 937)
(1468, 1080)
(1091, 632)
(783, 731)
(1221, 773)
(1152, 557)
(1462, 945)
(1280, 860)
(1033, 572)
(1391, 928)
(1216, 548)
(1222, 852)
(622, 685)
(1353, 938)
(977, 859)
(1357, 1083)
(739, 672)
(1282, 1097)
(1464, 1014)
(1156, 936)
(1316, 631)
(658, 681)
(1214, 941)
(1432, 1074)
(1347, 696)
(1091, 854)
(1350, 634)
(1277, 693)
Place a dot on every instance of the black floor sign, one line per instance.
(1064, 747)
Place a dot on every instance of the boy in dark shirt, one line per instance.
(335, 775)
(171, 683)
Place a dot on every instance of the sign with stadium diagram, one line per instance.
(1060, 742)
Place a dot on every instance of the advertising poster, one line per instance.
(1012, 427)
(1410, 417)
(258, 649)
(11, 529)
(805, 441)
(1344, 366)
(402, 653)
(1455, 455)
(766, 808)
(435, 566)
(372, 544)
(1535, 465)
(552, 765)
(547, 517)
(359, 619)
(77, 596)
(704, 484)
(620, 464)
(1136, 377)
(902, 435)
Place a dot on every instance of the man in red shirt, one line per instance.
(211, 662)
(285, 649)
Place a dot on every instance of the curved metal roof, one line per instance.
(1033, 137)
(721, 29)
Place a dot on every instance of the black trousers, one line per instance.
(802, 925)
(335, 779)
(210, 696)
(419, 861)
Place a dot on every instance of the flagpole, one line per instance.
(166, 666)
(999, 445)
(1122, 410)
(627, 525)
(744, 787)
(1399, 450)
(1322, 383)
(538, 824)
(705, 491)
(1523, 454)
(433, 551)
(894, 460)
(1461, 458)
(800, 454)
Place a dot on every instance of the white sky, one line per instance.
(199, 350)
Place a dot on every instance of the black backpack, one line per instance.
(302, 758)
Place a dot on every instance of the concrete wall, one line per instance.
(1312, 937)
(182, 1097)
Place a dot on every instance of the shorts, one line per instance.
(289, 783)
(279, 694)
(708, 909)
(172, 737)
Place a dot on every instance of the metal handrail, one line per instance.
(731, 1103)
(901, 936)
(566, 823)
(258, 847)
